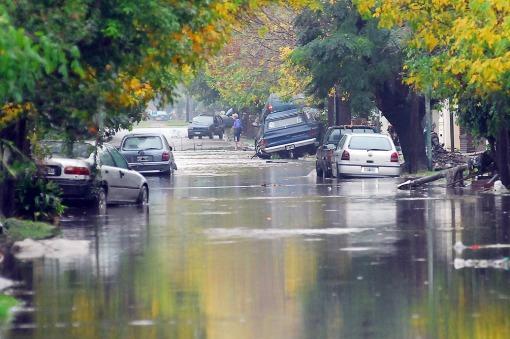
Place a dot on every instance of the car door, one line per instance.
(128, 181)
(109, 174)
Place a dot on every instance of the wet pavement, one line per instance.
(232, 247)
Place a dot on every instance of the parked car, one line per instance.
(288, 133)
(161, 116)
(324, 155)
(148, 153)
(109, 181)
(366, 155)
(206, 125)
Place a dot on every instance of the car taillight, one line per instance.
(394, 157)
(76, 170)
(165, 156)
(346, 156)
(263, 143)
(313, 133)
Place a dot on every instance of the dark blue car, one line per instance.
(288, 133)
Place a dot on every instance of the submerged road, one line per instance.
(232, 247)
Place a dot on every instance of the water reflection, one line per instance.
(388, 274)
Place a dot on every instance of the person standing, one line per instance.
(238, 128)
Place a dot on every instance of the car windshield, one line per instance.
(370, 143)
(334, 137)
(285, 122)
(73, 150)
(142, 143)
(203, 119)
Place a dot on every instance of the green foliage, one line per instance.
(12, 161)
(6, 304)
(38, 198)
(343, 51)
(18, 229)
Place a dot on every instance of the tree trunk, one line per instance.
(502, 156)
(344, 112)
(331, 111)
(16, 134)
(405, 110)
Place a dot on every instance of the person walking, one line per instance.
(238, 128)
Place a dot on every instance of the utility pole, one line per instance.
(452, 127)
(428, 124)
(188, 106)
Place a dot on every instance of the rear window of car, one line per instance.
(203, 119)
(74, 150)
(371, 143)
(285, 122)
(142, 143)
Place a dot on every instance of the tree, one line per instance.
(255, 62)
(461, 50)
(87, 68)
(344, 52)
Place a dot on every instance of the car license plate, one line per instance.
(142, 158)
(369, 169)
(50, 171)
(197, 133)
(289, 147)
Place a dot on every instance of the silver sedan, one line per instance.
(366, 155)
(110, 181)
(148, 153)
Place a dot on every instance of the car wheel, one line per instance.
(211, 136)
(220, 136)
(143, 196)
(200, 137)
(190, 137)
(318, 169)
(100, 201)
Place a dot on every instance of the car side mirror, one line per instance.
(171, 148)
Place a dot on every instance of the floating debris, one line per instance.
(503, 263)
(459, 247)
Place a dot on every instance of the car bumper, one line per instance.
(368, 171)
(198, 132)
(75, 189)
(150, 167)
(290, 146)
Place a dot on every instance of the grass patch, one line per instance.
(17, 229)
(6, 303)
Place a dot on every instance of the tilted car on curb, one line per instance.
(288, 133)
(206, 125)
(108, 180)
(366, 155)
(325, 151)
(148, 153)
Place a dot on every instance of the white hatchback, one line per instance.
(366, 155)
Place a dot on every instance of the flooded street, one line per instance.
(232, 247)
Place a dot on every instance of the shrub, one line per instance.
(38, 198)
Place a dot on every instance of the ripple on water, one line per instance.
(270, 233)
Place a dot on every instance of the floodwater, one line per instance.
(238, 248)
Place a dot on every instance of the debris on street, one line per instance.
(443, 159)
(454, 176)
(503, 263)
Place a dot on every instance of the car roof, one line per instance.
(351, 127)
(148, 134)
(282, 114)
(368, 135)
